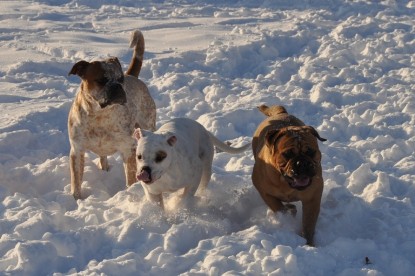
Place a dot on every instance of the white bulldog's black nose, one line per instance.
(147, 169)
(145, 175)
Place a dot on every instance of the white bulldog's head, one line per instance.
(153, 154)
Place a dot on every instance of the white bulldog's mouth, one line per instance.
(145, 176)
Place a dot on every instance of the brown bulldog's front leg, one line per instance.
(273, 203)
(311, 210)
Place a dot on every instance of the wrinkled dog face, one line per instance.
(153, 155)
(102, 80)
(297, 156)
(298, 165)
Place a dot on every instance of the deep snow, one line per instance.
(344, 67)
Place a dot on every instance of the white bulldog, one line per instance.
(178, 155)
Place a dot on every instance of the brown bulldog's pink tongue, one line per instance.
(143, 176)
(301, 182)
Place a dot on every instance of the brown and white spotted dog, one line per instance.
(108, 106)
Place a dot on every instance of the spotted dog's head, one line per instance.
(101, 81)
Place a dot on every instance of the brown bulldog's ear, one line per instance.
(79, 68)
(272, 136)
(315, 133)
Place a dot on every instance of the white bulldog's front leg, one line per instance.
(158, 199)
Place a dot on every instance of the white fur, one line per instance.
(188, 163)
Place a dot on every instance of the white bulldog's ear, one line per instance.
(172, 140)
(139, 133)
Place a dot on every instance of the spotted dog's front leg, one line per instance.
(76, 165)
(130, 168)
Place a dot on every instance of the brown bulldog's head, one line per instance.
(102, 80)
(295, 154)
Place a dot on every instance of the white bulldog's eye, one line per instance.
(160, 156)
(139, 157)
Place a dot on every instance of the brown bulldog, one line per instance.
(107, 108)
(287, 166)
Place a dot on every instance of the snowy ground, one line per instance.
(345, 67)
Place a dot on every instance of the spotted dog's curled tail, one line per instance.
(137, 41)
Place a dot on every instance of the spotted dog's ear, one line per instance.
(79, 68)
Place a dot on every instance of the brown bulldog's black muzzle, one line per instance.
(302, 167)
(300, 173)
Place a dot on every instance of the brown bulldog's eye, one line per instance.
(310, 152)
(160, 156)
(288, 154)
